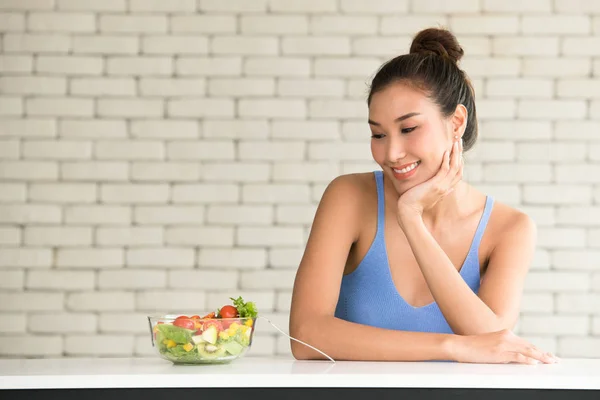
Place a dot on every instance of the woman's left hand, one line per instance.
(425, 195)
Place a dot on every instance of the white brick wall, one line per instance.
(162, 156)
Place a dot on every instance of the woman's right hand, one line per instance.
(501, 347)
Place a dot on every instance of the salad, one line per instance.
(219, 336)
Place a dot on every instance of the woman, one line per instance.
(411, 263)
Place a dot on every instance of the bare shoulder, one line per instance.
(512, 225)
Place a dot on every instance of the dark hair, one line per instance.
(432, 66)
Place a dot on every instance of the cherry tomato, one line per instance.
(209, 315)
(228, 312)
(186, 323)
(195, 317)
(214, 322)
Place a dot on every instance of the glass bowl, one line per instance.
(193, 340)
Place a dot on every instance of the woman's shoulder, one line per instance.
(508, 220)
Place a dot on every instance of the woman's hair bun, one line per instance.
(437, 41)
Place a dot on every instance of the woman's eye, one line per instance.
(408, 130)
(376, 136)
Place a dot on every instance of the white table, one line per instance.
(110, 377)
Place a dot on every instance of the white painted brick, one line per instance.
(440, 6)
(484, 25)
(552, 109)
(169, 215)
(12, 280)
(63, 192)
(213, 66)
(594, 238)
(306, 130)
(143, 347)
(577, 130)
(560, 238)
(16, 63)
(164, 129)
(306, 6)
(269, 236)
(106, 44)
(283, 301)
(200, 236)
(205, 150)
(578, 88)
(12, 22)
(237, 129)
(274, 150)
(541, 260)
(556, 24)
(129, 236)
(233, 6)
(346, 67)
(525, 46)
(275, 194)
(274, 279)
(357, 167)
(339, 151)
(70, 65)
(207, 24)
(544, 343)
(595, 109)
(343, 25)
(491, 67)
(31, 346)
(96, 345)
(33, 85)
(60, 107)
(283, 345)
(517, 173)
(13, 192)
(528, 88)
(536, 6)
(170, 301)
(272, 108)
(241, 87)
(101, 301)
(409, 25)
(98, 215)
(305, 172)
(235, 258)
(124, 323)
(160, 257)
(575, 260)
(262, 346)
(89, 258)
(542, 215)
(26, 170)
(557, 194)
(596, 282)
(133, 24)
(537, 303)
(285, 257)
(25, 257)
(310, 88)
(60, 280)
(132, 279)
(324, 45)
(13, 323)
(205, 193)
(92, 5)
(294, 214)
(27, 128)
(554, 281)
(491, 151)
(30, 213)
(333, 108)
(237, 172)
(274, 24)
(140, 66)
(507, 193)
(130, 108)
(556, 67)
(496, 109)
(554, 325)
(239, 214)
(10, 150)
(380, 46)
(274, 67)
(172, 172)
(57, 236)
(244, 45)
(577, 173)
(12, 106)
(103, 86)
(580, 46)
(200, 108)
(551, 152)
(94, 171)
(594, 150)
(57, 150)
(584, 303)
(264, 300)
(10, 235)
(595, 325)
(161, 6)
(32, 301)
(129, 150)
(36, 43)
(105, 128)
(172, 87)
(577, 6)
(174, 45)
(134, 193)
(579, 347)
(27, 5)
(209, 280)
(353, 131)
(61, 22)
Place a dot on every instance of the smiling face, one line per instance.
(407, 127)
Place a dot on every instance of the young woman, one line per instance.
(411, 262)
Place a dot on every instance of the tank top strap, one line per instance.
(489, 202)
(380, 202)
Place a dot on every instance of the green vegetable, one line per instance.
(175, 333)
(245, 309)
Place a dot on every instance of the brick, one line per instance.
(164, 129)
(106, 44)
(34, 170)
(541, 260)
(134, 193)
(283, 301)
(578, 215)
(63, 192)
(527, 88)
(16, 63)
(60, 107)
(235, 129)
(237, 172)
(161, 6)
(244, 45)
(133, 24)
(491, 67)
(537, 303)
(561, 238)
(277, 67)
(12, 106)
(241, 87)
(275, 108)
(408, 25)
(205, 193)
(324, 45)
(436, 6)
(305, 172)
(133, 108)
(332, 108)
(172, 87)
(262, 346)
(235, 258)
(132, 279)
(172, 172)
(556, 67)
(312, 88)
(103, 87)
(517, 173)
(575, 260)
(174, 45)
(205, 150)
(344, 25)
(552, 109)
(584, 303)
(89, 258)
(94, 129)
(556, 324)
(293, 214)
(233, 6)
(57, 236)
(101, 301)
(275, 194)
(200, 108)
(60, 280)
(308, 6)
(10, 235)
(594, 152)
(69, 65)
(208, 280)
(11, 280)
(33, 85)
(30, 213)
(27, 5)
(542, 215)
(169, 215)
(204, 66)
(346, 67)
(123, 323)
(274, 24)
(576, 130)
(594, 109)
(129, 150)
(338, 151)
(594, 238)
(486, 25)
(269, 236)
(61, 22)
(577, 88)
(10, 149)
(98, 215)
(579, 347)
(267, 279)
(95, 171)
(129, 236)
(557, 194)
(96, 345)
(532, 6)
(508, 193)
(12, 323)
(161, 257)
(306, 130)
(140, 66)
(556, 24)
(92, 5)
(239, 214)
(274, 150)
(31, 346)
(170, 301)
(525, 46)
(562, 282)
(551, 152)
(496, 109)
(57, 150)
(36, 43)
(285, 257)
(200, 236)
(577, 173)
(26, 257)
(34, 301)
(207, 24)
(580, 46)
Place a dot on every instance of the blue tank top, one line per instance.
(368, 295)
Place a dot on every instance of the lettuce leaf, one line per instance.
(244, 309)
(175, 333)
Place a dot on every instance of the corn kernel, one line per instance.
(248, 322)
(234, 325)
(224, 335)
(171, 343)
(188, 347)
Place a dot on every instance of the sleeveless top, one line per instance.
(368, 295)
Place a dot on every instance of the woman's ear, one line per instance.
(459, 120)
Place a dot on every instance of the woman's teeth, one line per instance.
(407, 169)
